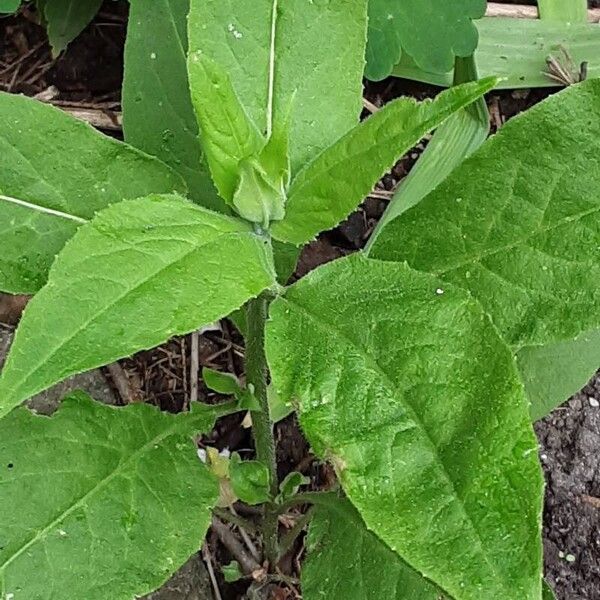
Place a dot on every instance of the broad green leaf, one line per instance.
(518, 223)
(274, 51)
(57, 172)
(331, 186)
(403, 384)
(66, 19)
(432, 32)
(553, 373)
(9, 6)
(454, 140)
(345, 560)
(139, 273)
(229, 136)
(99, 502)
(157, 112)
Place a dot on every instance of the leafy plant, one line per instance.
(64, 19)
(399, 363)
(431, 32)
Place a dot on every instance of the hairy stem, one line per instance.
(256, 376)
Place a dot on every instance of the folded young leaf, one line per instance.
(518, 224)
(405, 386)
(66, 19)
(333, 184)
(432, 32)
(228, 134)
(142, 271)
(158, 117)
(113, 503)
(345, 560)
(55, 173)
(274, 51)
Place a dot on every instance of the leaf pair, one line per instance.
(517, 225)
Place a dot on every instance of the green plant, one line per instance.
(399, 363)
(64, 19)
(514, 49)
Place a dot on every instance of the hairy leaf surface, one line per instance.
(403, 383)
(139, 273)
(332, 185)
(345, 560)
(55, 173)
(432, 32)
(275, 54)
(518, 224)
(99, 502)
(157, 113)
(66, 19)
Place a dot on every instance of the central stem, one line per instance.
(256, 375)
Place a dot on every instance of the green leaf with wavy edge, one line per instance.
(141, 272)
(404, 385)
(56, 173)
(333, 185)
(273, 51)
(66, 19)
(100, 502)
(529, 253)
(158, 116)
(345, 560)
(432, 32)
(9, 6)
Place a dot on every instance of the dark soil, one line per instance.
(89, 74)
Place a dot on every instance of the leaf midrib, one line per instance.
(372, 362)
(121, 467)
(121, 297)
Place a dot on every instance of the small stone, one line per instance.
(570, 558)
(593, 402)
(439, 291)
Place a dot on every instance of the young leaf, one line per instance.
(55, 173)
(404, 385)
(529, 253)
(223, 383)
(158, 116)
(100, 502)
(345, 560)
(454, 140)
(228, 135)
(291, 484)
(142, 271)
(331, 186)
(66, 19)
(272, 50)
(249, 480)
(432, 32)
